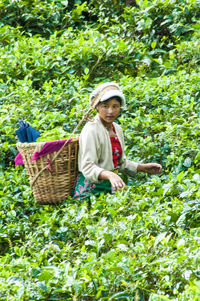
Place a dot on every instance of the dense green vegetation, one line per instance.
(142, 244)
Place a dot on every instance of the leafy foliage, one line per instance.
(140, 244)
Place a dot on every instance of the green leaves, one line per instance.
(140, 244)
(123, 244)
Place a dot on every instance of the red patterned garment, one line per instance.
(116, 149)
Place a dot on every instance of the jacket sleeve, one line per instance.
(89, 148)
(128, 167)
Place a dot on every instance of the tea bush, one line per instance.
(140, 244)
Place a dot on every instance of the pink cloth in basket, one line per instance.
(48, 148)
(18, 160)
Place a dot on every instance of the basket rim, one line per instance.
(42, 143)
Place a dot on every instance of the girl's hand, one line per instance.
(116, 182)
(150, 168)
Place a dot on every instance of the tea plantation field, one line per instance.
(142, 244)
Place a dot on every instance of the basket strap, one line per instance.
(85, 116)
(57, 154)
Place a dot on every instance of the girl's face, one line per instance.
(109, 110)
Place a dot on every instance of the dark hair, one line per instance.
(116, 97)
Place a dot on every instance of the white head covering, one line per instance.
(104, 92)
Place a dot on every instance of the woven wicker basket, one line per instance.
(51, 187)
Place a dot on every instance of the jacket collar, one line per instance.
(117, 128)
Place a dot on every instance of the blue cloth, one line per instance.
(26, 133)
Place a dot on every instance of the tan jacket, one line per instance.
(95, 151)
